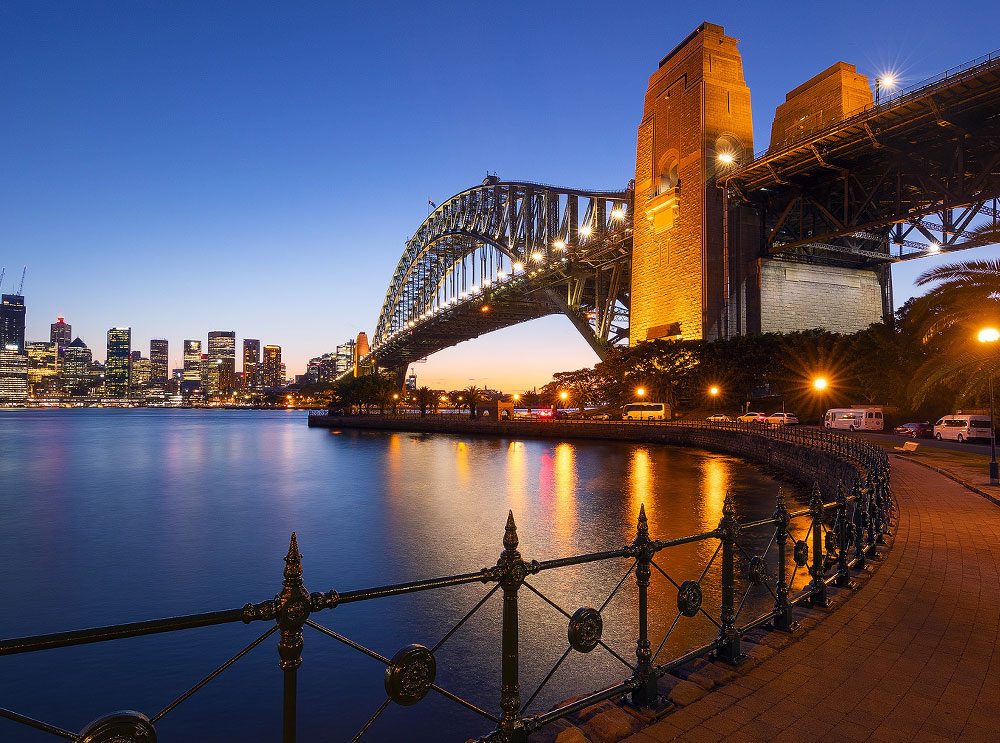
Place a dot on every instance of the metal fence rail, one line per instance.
(840, 536)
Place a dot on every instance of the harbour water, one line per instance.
(112, 516)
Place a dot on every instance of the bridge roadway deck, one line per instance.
(914, 655)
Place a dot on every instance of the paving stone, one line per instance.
(610, 726)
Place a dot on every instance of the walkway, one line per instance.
(913, 656)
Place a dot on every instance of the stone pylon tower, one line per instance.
(695, 124)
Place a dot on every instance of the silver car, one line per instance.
(782, 419)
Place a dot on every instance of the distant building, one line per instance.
(344, 357)
(192, 361)
(116, 368)
(42, 366)
(60, 333)
(411, 383)
(270, 371)
(76, 368)
(12, 322)
(251, 364)
(221, 363)
(13, 373)
(361, 350)
(159, 364)
(140, 372)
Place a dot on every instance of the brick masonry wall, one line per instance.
(798, 296)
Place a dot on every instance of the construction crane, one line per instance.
(2, 272)
(20, 287)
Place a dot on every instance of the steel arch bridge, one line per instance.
(501, 253)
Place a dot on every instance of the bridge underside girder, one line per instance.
(903, 179)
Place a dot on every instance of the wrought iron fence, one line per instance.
(836, 538)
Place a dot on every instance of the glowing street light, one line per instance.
(559, 245)
(726, 158)
(991, 335)
(641, 392)
(713, 391)
(563, 395)
(820, 383)
(516, 397)
(887, 81)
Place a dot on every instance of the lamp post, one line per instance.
(886, 81)
(820, 384)
(991, 335)
(714, 392)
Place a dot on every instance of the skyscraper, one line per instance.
(13, 374)
(159, 367)
(192, 361)
(41, 366)
(116, 368)
(270, 372)
(60, 333)
(77, 359)
(221, 362)
(12, 322)
(251, 363)
(345, 357)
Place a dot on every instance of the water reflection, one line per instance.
(193, 511)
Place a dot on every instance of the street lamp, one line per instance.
(991, 335)
(714, 392)
(885, 81)
(819, 383)
(641, 392)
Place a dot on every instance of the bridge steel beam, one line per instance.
(502, 253)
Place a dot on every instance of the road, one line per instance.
(975, 448)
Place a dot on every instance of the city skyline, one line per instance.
(271, 186)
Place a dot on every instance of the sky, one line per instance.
(180, 167)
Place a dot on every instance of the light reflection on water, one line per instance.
(128, 515)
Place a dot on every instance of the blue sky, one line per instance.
(182, 167)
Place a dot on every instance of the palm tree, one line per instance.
(425, 398)
(965, 300)
(473, 396)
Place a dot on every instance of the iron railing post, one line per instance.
(860, 516)
(817, 596)
(644, 692)
(512, 573)
(783, 620)
(293, 606)
(729, 636)
(843, 568)
(873, 525)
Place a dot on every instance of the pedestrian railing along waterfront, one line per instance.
(829, 541)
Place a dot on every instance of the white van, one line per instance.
(854, 419)
(651, 411)
(958, 427)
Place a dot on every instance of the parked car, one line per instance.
(958, 427)
(915, 430)
(600, 417)
(752, 418)
(719, 418)
(782, 419)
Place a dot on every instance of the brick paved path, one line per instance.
(912, 656)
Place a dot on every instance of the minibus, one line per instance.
(958, 427)
(854, 419)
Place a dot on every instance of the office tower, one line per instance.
(13, 373)
(42, 369)
(345, 357)
(159, 371)
(251, 364)
(221, 362)
(282, 376)
(204, 374)
(270, 371)
(192, 361)
(116, 368)
(140, 371)
(12, 322)
(411, 383)
(77, 360)
(60, 333)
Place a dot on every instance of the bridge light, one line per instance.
(618, 213)
(484, 308)
(887, 81)
(474, 288)
(586, 229)
(726, 158)
(486, 282)
(465, 294)
(537, 256)
(933, 247)
(559, 245)
(518, 267)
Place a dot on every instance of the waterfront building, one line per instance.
(12, 322)
(344, 357)
(13, 374)
(203, 380)
(159, 366)
(116, 368)
(221, 363)
(192, 361)
(141, 372)
(411, 382)
(76, 369)
(271, 374)
(60, 333)
(42, 367)
(251, 364)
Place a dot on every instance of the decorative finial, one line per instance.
(293, 561)
(781, 498)
(729, 506)
(510, 540)
(642, 528)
